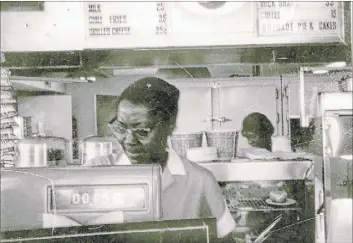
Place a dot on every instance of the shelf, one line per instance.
(251, 170)
(260, 205)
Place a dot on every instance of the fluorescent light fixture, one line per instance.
(336, 65)
(347, 157)
(320, 71)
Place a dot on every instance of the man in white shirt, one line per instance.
(146, 117)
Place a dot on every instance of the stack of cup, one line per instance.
(281, 144)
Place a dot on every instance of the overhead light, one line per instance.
(347, 157)
(336, 65)
(320, 71)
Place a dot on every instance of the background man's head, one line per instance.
(146, 116)
(258, 129)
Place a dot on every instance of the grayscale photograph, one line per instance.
(176, 121)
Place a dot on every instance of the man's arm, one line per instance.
(216, 203)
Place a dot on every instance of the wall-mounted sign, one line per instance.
(196, 24)
(66, 26)
(322, 19)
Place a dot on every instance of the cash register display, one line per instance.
(90, 198)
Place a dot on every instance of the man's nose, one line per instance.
(130, 138)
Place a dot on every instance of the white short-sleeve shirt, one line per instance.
(190, 191)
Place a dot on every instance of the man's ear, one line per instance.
(171, 128)
(242, 132)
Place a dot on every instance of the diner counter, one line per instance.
(255, 170)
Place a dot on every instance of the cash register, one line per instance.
(91, 204)
(45, 197)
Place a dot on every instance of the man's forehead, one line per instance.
(130, 112)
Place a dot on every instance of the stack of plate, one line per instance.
(8, 123)
(204, 154)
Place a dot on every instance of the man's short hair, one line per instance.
(157, 95)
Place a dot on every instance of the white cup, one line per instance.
(281, 144)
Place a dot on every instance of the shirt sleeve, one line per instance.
(217, 205)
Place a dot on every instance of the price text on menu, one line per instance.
(298, 17)
(118, 24)
(118, 19)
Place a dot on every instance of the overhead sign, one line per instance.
(300, 18)
(114, 25)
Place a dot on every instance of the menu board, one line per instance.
(115, 25)
(125, 24)
(299, 18)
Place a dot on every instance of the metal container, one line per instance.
(32, 153)
(44, 151)
(95, 146)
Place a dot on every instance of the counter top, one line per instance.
(171, 231)
(255, 170)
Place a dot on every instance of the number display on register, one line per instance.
(90, 198)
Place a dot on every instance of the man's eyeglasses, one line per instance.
(120, 131)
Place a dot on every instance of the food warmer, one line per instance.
(247, 185)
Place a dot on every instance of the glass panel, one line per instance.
(339, 135)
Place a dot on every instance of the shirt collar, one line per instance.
(175, 165)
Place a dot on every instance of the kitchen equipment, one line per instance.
(34, 198)
(44, 151)
(95, 146)
(59, 150)
(265, 234)
(288, 202)
(182, 141)
(32, 152)
(225, 142)
(334, 126)
(249, 201)
(340, 229)
(158, 231)
(200, 155)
